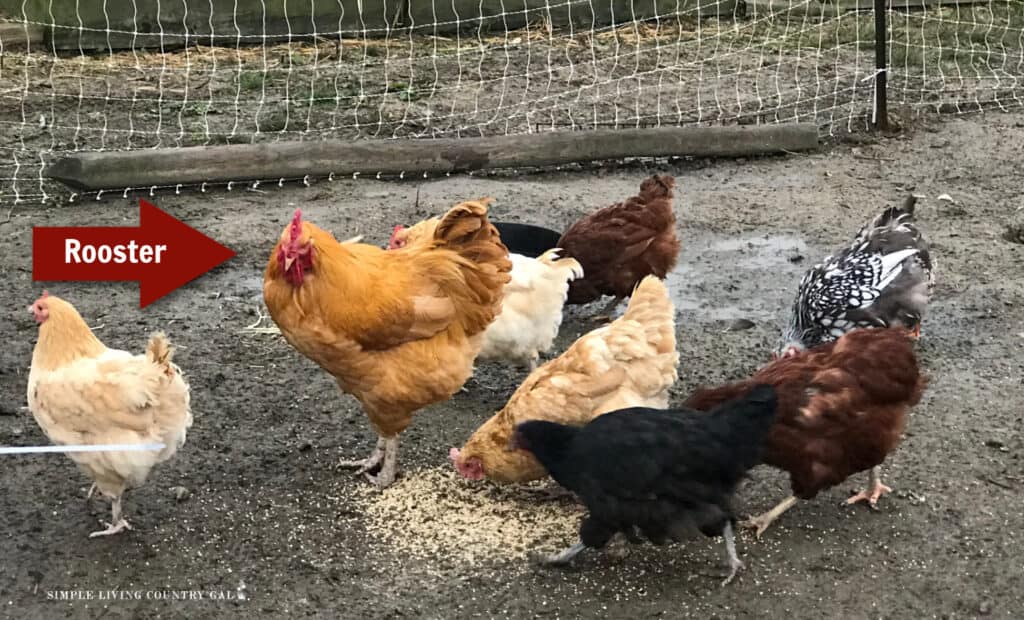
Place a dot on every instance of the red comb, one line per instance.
(394, 231)
(296, 225)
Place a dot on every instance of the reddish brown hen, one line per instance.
(619, 245)
(842, 409)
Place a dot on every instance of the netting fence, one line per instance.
(132, 74)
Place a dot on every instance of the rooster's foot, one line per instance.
(389, 465)
(367, 464)
(112, 528)
(871, 494)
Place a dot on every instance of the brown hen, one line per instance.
(618, 246)
(842, 409)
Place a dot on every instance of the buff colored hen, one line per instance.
(81, 392)
(631, 362)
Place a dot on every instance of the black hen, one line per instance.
(656, 473)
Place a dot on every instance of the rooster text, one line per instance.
(75, 252)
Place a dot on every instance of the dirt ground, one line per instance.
(271, 518)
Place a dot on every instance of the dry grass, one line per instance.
(433, 514)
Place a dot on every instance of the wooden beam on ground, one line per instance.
(251, 162)
(15, 36)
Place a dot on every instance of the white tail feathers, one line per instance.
(551, 258)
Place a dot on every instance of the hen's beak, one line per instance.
(288, 263)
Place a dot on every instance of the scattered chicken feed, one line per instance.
(434, 514)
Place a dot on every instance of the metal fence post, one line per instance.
(881, 68)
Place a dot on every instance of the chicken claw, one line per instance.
(761, 522)
(389, 464)
(112, 528)
(562, 558)
(871, 494)
(365, 465)
(118, 522)
(735, 564)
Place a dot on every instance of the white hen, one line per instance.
(531, 310)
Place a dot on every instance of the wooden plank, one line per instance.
(14, 36)
(151, 24)
(764, 8)
(220, 164)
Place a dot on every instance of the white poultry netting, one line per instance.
(111, 75)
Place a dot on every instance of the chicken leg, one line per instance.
(365, 465)
(735, 564)
(118, 522)
(389, 468)
(761, 522)
(874, 491)
(558, 559)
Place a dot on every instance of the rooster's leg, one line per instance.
(558, 559)
(761, 522)
(117, 523)
(92, 491)
(389, 469)
(735, 564)
(369, 462)
(874, 491)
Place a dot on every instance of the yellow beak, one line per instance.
(288, 263)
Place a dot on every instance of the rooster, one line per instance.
(632, 362)
(397, 330)
(842, 409)
(621, 244)
(884, 278)
(81, 392)
(659, 474)
(531, 311)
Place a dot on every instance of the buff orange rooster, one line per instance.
(631, 362)
(397, 330)
(83, 393)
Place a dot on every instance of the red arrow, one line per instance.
(161, 253)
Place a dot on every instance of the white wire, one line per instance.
(130, 447)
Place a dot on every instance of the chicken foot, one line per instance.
(389, 468)
(874, 491)
(365, 465)
(118, 522)
(735, 564)
(761, 522)
(558, 559)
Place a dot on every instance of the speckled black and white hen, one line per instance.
(884, 278)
